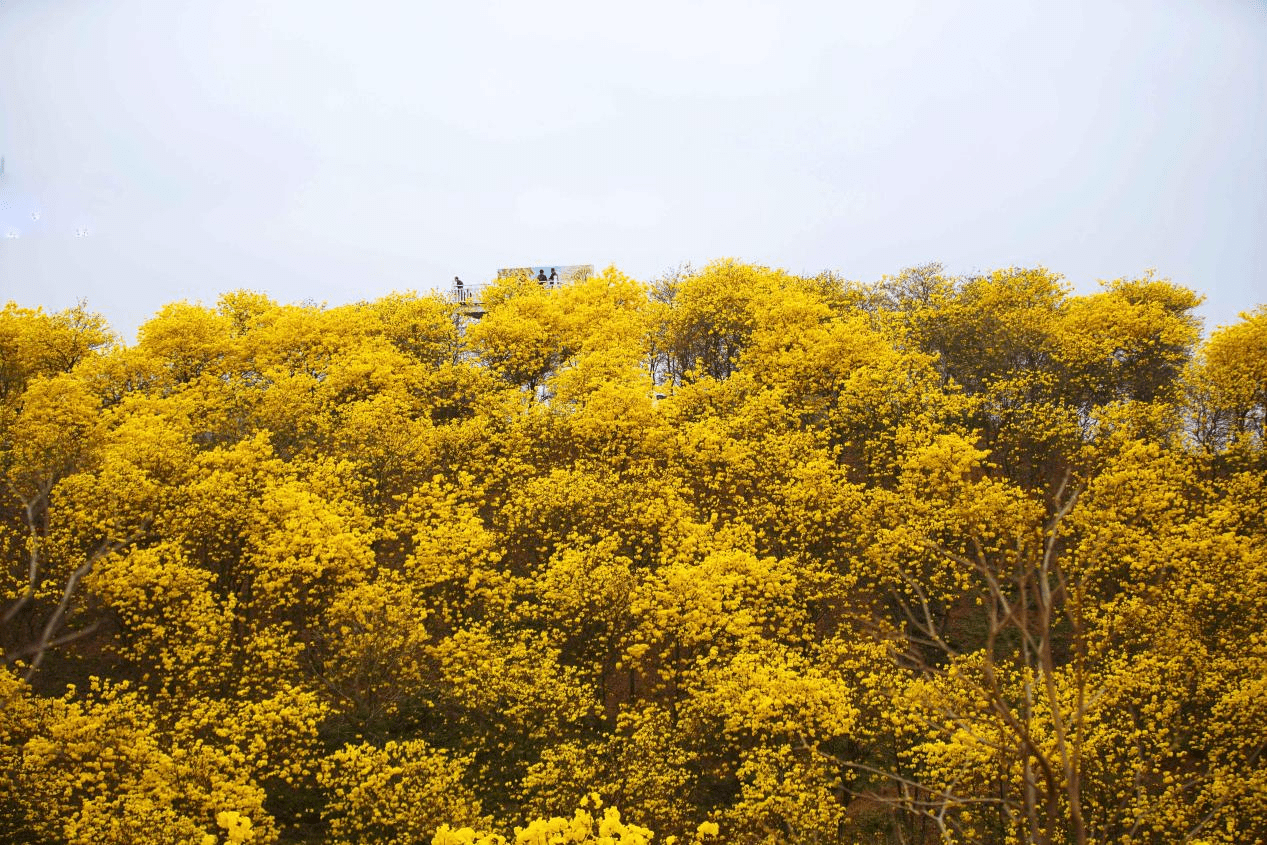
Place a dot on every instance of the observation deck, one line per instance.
(468, 298)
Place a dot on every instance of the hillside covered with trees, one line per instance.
(749, 557)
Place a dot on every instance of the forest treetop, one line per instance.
(733, 553)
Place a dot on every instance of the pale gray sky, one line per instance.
(339, 151)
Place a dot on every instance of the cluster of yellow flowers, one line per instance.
(756, 557)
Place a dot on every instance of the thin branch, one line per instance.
(49, 635)
(946, 796)
(1219, 805)
(64, 639)
(33, 562)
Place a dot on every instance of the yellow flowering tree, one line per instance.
(750, 555)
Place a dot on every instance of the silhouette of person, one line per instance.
(541, 276)
(457, 283)
(553, 275)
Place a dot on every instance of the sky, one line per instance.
(335, 152)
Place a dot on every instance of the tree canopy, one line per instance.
(731, 555)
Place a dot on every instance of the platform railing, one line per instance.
(465, 295)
